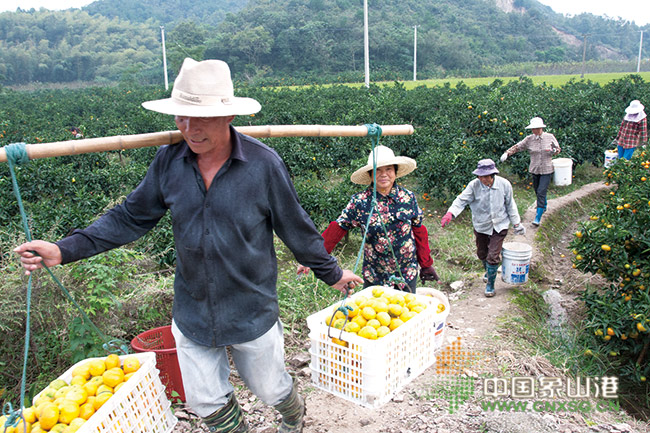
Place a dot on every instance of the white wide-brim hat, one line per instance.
(204, 89)
(634, 107)
(384, 157)
(536, 122)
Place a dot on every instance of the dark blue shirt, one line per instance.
(226, 270)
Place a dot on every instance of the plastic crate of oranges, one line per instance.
(368, 347)
(101, 395)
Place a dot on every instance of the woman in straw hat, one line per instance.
(227, 194)
(493, 210)
(541, 146)
(633, 130)
(405, 240)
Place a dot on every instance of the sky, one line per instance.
(627, 9)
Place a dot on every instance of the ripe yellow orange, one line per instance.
(606, 247)
(29, 414)
(368, 332)
(131, 364)
(75, 425)
(112, 361)
(383, 331)
(610, 331)
(395, 323)
(407, 315)
(48, 415)
(76, 394)
(103, 388)
(78, 380)
(97, 367)
(82, 370)
(383, 318)
(101, 399)
(114, 376)
(368, 313)
(86, 410)
(374, 323)
(68, 411)
(359, 320)
(352, 327)
(395, 310)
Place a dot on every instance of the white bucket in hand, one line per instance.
(610, 158)
(563, 169)
(516, 262)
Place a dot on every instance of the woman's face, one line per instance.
(385, 178)
(537, 131)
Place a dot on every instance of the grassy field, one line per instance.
(551, 80)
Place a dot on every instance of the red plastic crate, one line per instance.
(161, 342)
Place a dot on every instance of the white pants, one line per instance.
(206, 370)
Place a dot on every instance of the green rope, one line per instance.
(17, 154)
(374, 132)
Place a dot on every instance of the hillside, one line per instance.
(299, 40)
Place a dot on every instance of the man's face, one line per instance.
(537, 131)
(203, 134)
(486, 180)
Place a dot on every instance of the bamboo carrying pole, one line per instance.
(119, 142)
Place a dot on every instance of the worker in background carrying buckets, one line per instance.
(493, 210)
(541, 146)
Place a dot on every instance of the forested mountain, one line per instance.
(312, 40)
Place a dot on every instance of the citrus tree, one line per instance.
(615, 244)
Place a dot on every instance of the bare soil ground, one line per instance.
(476, 320)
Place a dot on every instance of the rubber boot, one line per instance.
(228, 419)
(491, 276)
(485, 267)
(293, 411)
(538, 216)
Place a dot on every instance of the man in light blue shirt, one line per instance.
(493, 210)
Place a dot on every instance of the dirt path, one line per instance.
(474, 318)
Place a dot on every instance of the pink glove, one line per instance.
(446, 219)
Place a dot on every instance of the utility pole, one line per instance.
(638, 64)
(415, 53)
(584, 55)
(366, 53)
(162, 32)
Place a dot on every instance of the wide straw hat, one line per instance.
(485, 167)
(634, 107)
(536, 122)
(384, 157)
(204, 89)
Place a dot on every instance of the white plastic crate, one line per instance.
(370, 372)
(139, 406)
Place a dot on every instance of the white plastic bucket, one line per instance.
(563, 169)
(610, 158)
(516, 262)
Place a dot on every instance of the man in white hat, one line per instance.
(396, 233)
(541, 146)
(227, 193)
(633, 130)
(493, 210)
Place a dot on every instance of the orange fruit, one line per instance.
(68, 411)
(82, 370)
(101, 399)
(48, 415)
(103, 388)
(86, 410)
(112, 361)
(113, 376)
(97, 367)
(131, 364)
(395, 323)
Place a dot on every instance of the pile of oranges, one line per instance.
(64, 407)
(377, 316)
